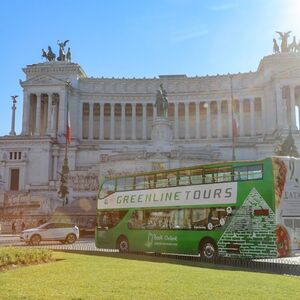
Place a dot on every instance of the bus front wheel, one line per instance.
(123, 244)
(208, 249)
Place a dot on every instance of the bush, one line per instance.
(19, 256)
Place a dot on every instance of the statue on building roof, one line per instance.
(293, 45)
(275, 46)
(68, 55)
(62, 45)
(49, 55)
(284, 40)
(161, 102)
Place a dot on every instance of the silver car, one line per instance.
(62, 232)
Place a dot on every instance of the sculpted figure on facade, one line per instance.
(62, 45)
(49, 55)
(275, 46)
(293, 45)
(284, 40)
(68, 55)
(161, 102)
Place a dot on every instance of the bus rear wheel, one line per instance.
(123, 244)
(208, 249)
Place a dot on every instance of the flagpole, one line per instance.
(232, 116)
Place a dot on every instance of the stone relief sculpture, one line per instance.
(62, 56)
(161, 102)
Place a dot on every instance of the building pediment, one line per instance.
(43, 80)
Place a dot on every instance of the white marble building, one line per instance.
(112, 126)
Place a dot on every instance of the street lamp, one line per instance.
(63, 189)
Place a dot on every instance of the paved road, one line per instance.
(88, 244)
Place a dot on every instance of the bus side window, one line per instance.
(149, 181)
(172, 179)
(161, 180)
(184, 177)
(240, 173)
(197, 176)
(209, 178)
(120, 184)
(129, 183)
(224, 175)
(107, 188)
(255, 172)
(139, 183)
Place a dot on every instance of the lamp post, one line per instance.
(63, 189)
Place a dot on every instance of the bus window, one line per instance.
(180, 219)
(224, 175)
(240, 173)
(157, 219)
(107, 188)
(172, 179)
(149, 181)
(197, 176)
(209, 178)
(139, 183)
(161, 180)
(255, 172)
(125, 184)
(137, 220)
(184, 177)
(200, 218)
(109, 219)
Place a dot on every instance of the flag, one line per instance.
(235, 125)
(68, 135)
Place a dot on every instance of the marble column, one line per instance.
(123, 121)
(26, 113)
(229, 113)
(133, 121)
(80, 119)
(197, 120)
(112, 121)
(187, 120)
(38, 114)
(241, 117)
(176, 120)
(154, 112)
(144, 135)
(219, 119)
(293, 113)
(208, 122)
(49, 107)
(252, 116)
(101, 129)
(62, 114)
(281, 108)
(263, 115)
(91, 121)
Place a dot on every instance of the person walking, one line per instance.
(23, 226)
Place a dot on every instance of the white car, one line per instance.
(63, 232)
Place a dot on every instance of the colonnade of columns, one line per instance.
(43, 113)
(190, 120)
(288, 97)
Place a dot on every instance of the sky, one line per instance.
(139, 38)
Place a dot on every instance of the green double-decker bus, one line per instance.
(233, 209)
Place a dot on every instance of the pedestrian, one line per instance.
(13, 227)
(23, 226)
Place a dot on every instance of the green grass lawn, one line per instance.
(78, 276)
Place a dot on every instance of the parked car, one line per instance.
(63, 232)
